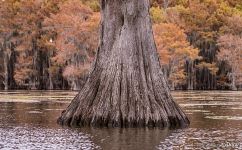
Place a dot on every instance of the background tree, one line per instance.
(33, 52)
(8, 41)
(231, 52)
(76, 27)
(174, 50)
(29, 46)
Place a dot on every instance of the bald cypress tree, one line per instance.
(126, 86)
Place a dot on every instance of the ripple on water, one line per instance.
(203, 139)
(224, 117)
(35, 112)
(40, 138)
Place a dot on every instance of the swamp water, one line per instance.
(28, 121)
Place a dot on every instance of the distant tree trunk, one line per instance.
(51, 85)
(190, 75)
(126, 86)
(5, 60)
(8, 65)
(73, 82)
(172, 87)
(36, 66)
(166, 4)
(233, 80)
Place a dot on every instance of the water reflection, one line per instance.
(127, 139)
(28, 121)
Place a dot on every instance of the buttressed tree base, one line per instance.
(126, 86)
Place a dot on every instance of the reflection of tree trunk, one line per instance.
(126, 86)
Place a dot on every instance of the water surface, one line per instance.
(28, 121)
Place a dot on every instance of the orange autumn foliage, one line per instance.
(231, 52)
(76, 27)
(173, 49)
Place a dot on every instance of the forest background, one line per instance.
(50, 44)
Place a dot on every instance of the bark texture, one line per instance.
(126, 86)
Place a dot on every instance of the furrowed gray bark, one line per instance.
(126, 86)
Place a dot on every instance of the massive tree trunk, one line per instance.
(126, 86)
